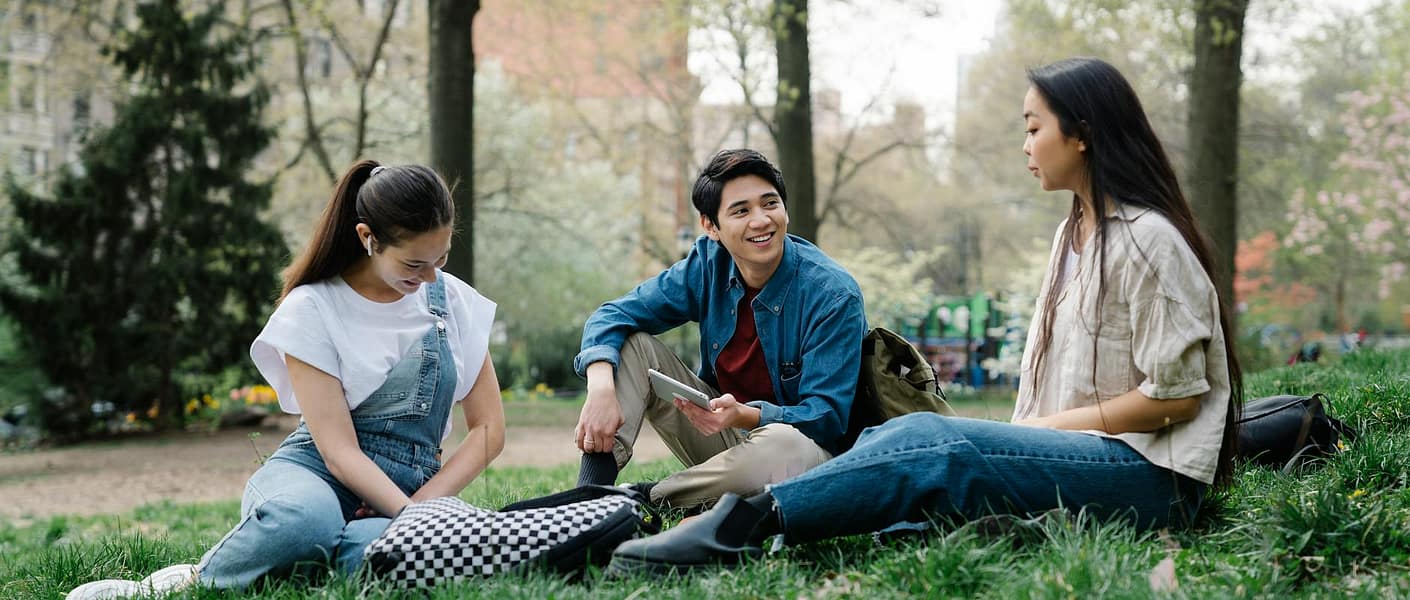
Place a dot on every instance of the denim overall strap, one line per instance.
(407, 421)
(400, 425)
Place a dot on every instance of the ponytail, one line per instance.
(334, 245)
(401, 200)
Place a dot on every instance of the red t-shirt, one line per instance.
(741, 369)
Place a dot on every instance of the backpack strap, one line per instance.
(577, 494)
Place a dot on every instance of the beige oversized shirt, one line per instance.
(1159, 332)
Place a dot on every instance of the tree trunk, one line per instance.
(451, 89)
(793, 115)
(1214, 130)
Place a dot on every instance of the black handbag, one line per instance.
(1286, 431)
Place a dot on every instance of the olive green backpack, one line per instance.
(895, 380)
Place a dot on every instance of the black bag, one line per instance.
(1285, 431)
(447, 539)
(895, 380)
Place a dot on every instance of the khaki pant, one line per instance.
(729, 461)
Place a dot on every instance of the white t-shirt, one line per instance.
(330, 326)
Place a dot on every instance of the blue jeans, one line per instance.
(923, 465)
(296, 515)
(291, 517)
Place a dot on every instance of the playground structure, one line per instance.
(967, 338)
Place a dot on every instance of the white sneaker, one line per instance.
(107, 589)
(168, 580)
(161, 583)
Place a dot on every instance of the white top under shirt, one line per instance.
(330, 326)
(1069, 268)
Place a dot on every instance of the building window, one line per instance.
(403, 14)
(4, 85)
(31, 15)
(31, 162)
(377, 9)
(29, 88)
(320, 58)
(82, 112)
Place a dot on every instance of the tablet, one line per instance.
(669, 389)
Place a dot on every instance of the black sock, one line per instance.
(644, 488)
(772, 523)
(749, 521)
(598, 468)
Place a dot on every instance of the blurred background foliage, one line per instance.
(592, 119)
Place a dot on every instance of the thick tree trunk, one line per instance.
(451, 84)
(1214, 129)
(793, 116)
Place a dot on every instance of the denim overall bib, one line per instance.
(295, 511)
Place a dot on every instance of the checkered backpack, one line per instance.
(447, 539)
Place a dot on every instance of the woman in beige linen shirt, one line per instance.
(1129, 395)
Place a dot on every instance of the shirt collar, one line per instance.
(1128, 212)
(776, 289)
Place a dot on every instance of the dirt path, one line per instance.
(116, 477)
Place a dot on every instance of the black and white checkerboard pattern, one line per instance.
(446, 538)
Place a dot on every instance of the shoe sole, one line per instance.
(628, 566)
(623, 567)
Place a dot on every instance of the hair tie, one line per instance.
(375, 170)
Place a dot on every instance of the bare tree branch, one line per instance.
(313, 138)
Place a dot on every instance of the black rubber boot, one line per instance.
(723, 535)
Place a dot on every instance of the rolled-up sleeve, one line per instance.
(1174, 310)
(656, 305)
(1168, 343)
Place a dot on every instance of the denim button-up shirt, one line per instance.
(809, 317)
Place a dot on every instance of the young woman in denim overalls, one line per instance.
(372, 344)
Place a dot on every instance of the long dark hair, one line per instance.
(1125, 162)
(395, 203)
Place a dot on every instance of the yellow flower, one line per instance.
(192, 406)
(131, 417)
(542, 388)
(215, 404)
(152, 412)
(1357, 494)
(263, 394)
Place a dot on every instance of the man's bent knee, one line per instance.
(639, 341)
(786, 448)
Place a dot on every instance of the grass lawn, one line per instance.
(1339, 530)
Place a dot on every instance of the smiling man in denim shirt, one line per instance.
(781, 328)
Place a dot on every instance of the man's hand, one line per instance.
(602, 414)
(725, 413)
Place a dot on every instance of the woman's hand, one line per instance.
(1034, 422)
(725, 413)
